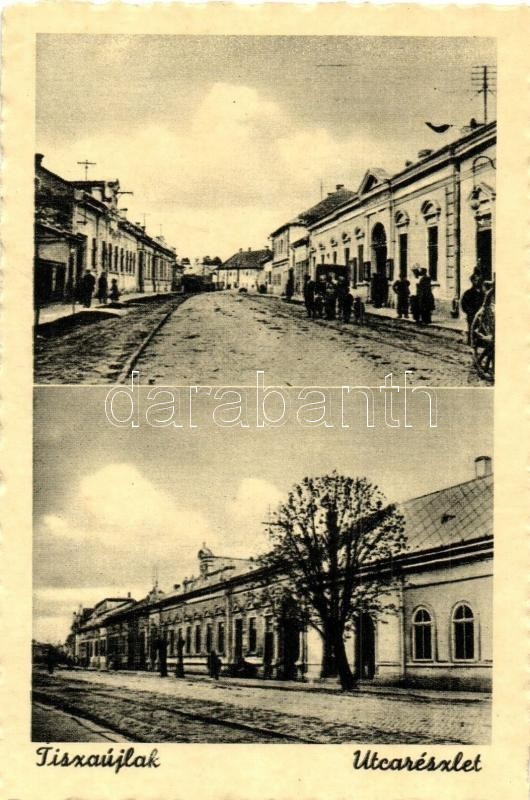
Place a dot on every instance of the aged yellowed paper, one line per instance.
(264, 401)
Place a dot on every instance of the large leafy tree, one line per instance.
(335, 539)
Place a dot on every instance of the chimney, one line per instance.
(128, 595)
(38, 159)
(408, 164)
(424, 153)
(240, 249)
(483, 467)
(339, 186)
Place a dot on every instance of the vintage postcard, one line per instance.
(264, 450)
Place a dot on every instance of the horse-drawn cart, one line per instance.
(483, 335)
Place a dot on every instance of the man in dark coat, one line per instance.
(402, 289)
(472, 300)
(347, 305)
(103, 288)
(309, 296)
(87, 288)
(330, 298)
(425, 298)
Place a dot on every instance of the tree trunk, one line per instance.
(347, 680)
(329, 662)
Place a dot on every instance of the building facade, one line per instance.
(438, 632)
(79, 227)
(242, 270)
(437, 213)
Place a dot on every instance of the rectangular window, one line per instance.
(464, 641)
(252, 635)
(221, 637)
(188, 639)
(360, 262)
(433, 251)
(109, 251)
(208, 638)
(198, 639)
(403, 247)
(171, 642)
(94, 252)
(103, 254)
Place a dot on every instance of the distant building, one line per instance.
(78, 227)
(241, 271)
(438, 634)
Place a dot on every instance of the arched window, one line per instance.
(422, 635)
(463, 633)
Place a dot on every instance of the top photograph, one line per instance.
(319, 208)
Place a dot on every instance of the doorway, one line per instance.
(484, 251)
(365, 648)
(379, 248)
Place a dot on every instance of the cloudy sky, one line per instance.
(112, 504)
(223, 138)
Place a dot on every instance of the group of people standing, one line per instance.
(332, 299)
(87, 285)
(418, 301)
(328, 298)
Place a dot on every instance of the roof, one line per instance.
(320, 210)
(245, 259)
(457, 514)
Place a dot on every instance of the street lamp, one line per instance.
(475, 192)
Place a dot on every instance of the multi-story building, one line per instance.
(437, 633)
(79, 226)
(437, 213)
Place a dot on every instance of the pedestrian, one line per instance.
(103, 288)
(347, 305)
(341, 288)
(425, 298)
(472, 300)
(414, 303)
(50, 660)
(88, 283)
(114, 291)
(309, 296)
(217, 664)
(330, 297)
(179, 666)
(402, 289)
(289, 288)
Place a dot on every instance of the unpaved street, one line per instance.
(149, 708)
(224, 338)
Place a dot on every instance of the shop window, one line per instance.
(463, 633)
(252, 635)
(422, 635)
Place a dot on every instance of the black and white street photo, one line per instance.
(314, 206)
(297, 584)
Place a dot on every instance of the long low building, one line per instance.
(79, 227)
(438, 633)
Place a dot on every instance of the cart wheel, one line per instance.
(482, 339)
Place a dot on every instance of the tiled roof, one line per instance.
(326, 206)
(457, 514)
(245, 259)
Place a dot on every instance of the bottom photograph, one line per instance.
(293, 584)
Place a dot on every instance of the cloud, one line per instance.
(242, 165)
(253, 498)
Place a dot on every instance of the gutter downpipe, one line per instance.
(457, 194)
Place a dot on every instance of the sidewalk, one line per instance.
(56, 311)
(317, 687)
(453, 326)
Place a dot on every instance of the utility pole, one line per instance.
(484, 81)
(86, 164)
